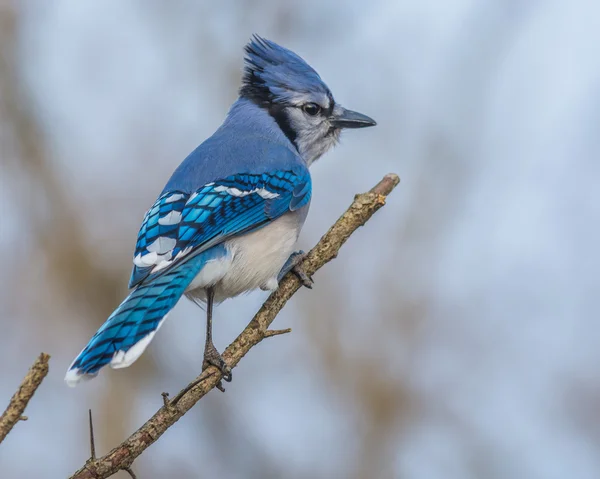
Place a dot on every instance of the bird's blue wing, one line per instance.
(180, 225)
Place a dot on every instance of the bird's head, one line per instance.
(281, 82)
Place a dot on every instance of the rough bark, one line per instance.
(14, 412)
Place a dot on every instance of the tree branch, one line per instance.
(122, 456)
(18, 403)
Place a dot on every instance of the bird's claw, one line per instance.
(213, 358)
(304, 278)
(297, 269)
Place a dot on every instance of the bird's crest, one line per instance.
(274, 74)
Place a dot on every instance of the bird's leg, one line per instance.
(211, 355)
(293, 264)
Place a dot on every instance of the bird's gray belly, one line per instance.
(253, 260)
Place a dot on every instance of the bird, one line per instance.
(228, 219)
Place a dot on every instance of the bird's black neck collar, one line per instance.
(254, 89)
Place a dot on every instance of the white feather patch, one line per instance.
(171, 218)
(183, 252)
(174, 197)
(231, 191)
(146, 260)
(161, 265)
(124, 359)
(161, 245)
(262, 192)
(74, 376)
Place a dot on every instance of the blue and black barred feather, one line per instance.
(199, 224)
(138, 315)
(211, 214)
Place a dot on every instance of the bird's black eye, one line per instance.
(311, 109)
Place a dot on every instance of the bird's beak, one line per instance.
(342, 118)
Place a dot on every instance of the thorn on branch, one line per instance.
(92, 443)
(165, 397)
(23, 418)
(276, 332)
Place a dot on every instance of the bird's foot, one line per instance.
(296, 259)
(293, 264)
(213, 358)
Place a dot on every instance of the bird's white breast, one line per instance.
(252, 261)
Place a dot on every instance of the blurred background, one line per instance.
(456, 336)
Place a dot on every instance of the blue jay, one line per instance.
(228, 219)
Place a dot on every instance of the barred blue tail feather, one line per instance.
(129, 330)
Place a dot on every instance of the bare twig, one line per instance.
(18, 403)
(276, 332)
(122, 456)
